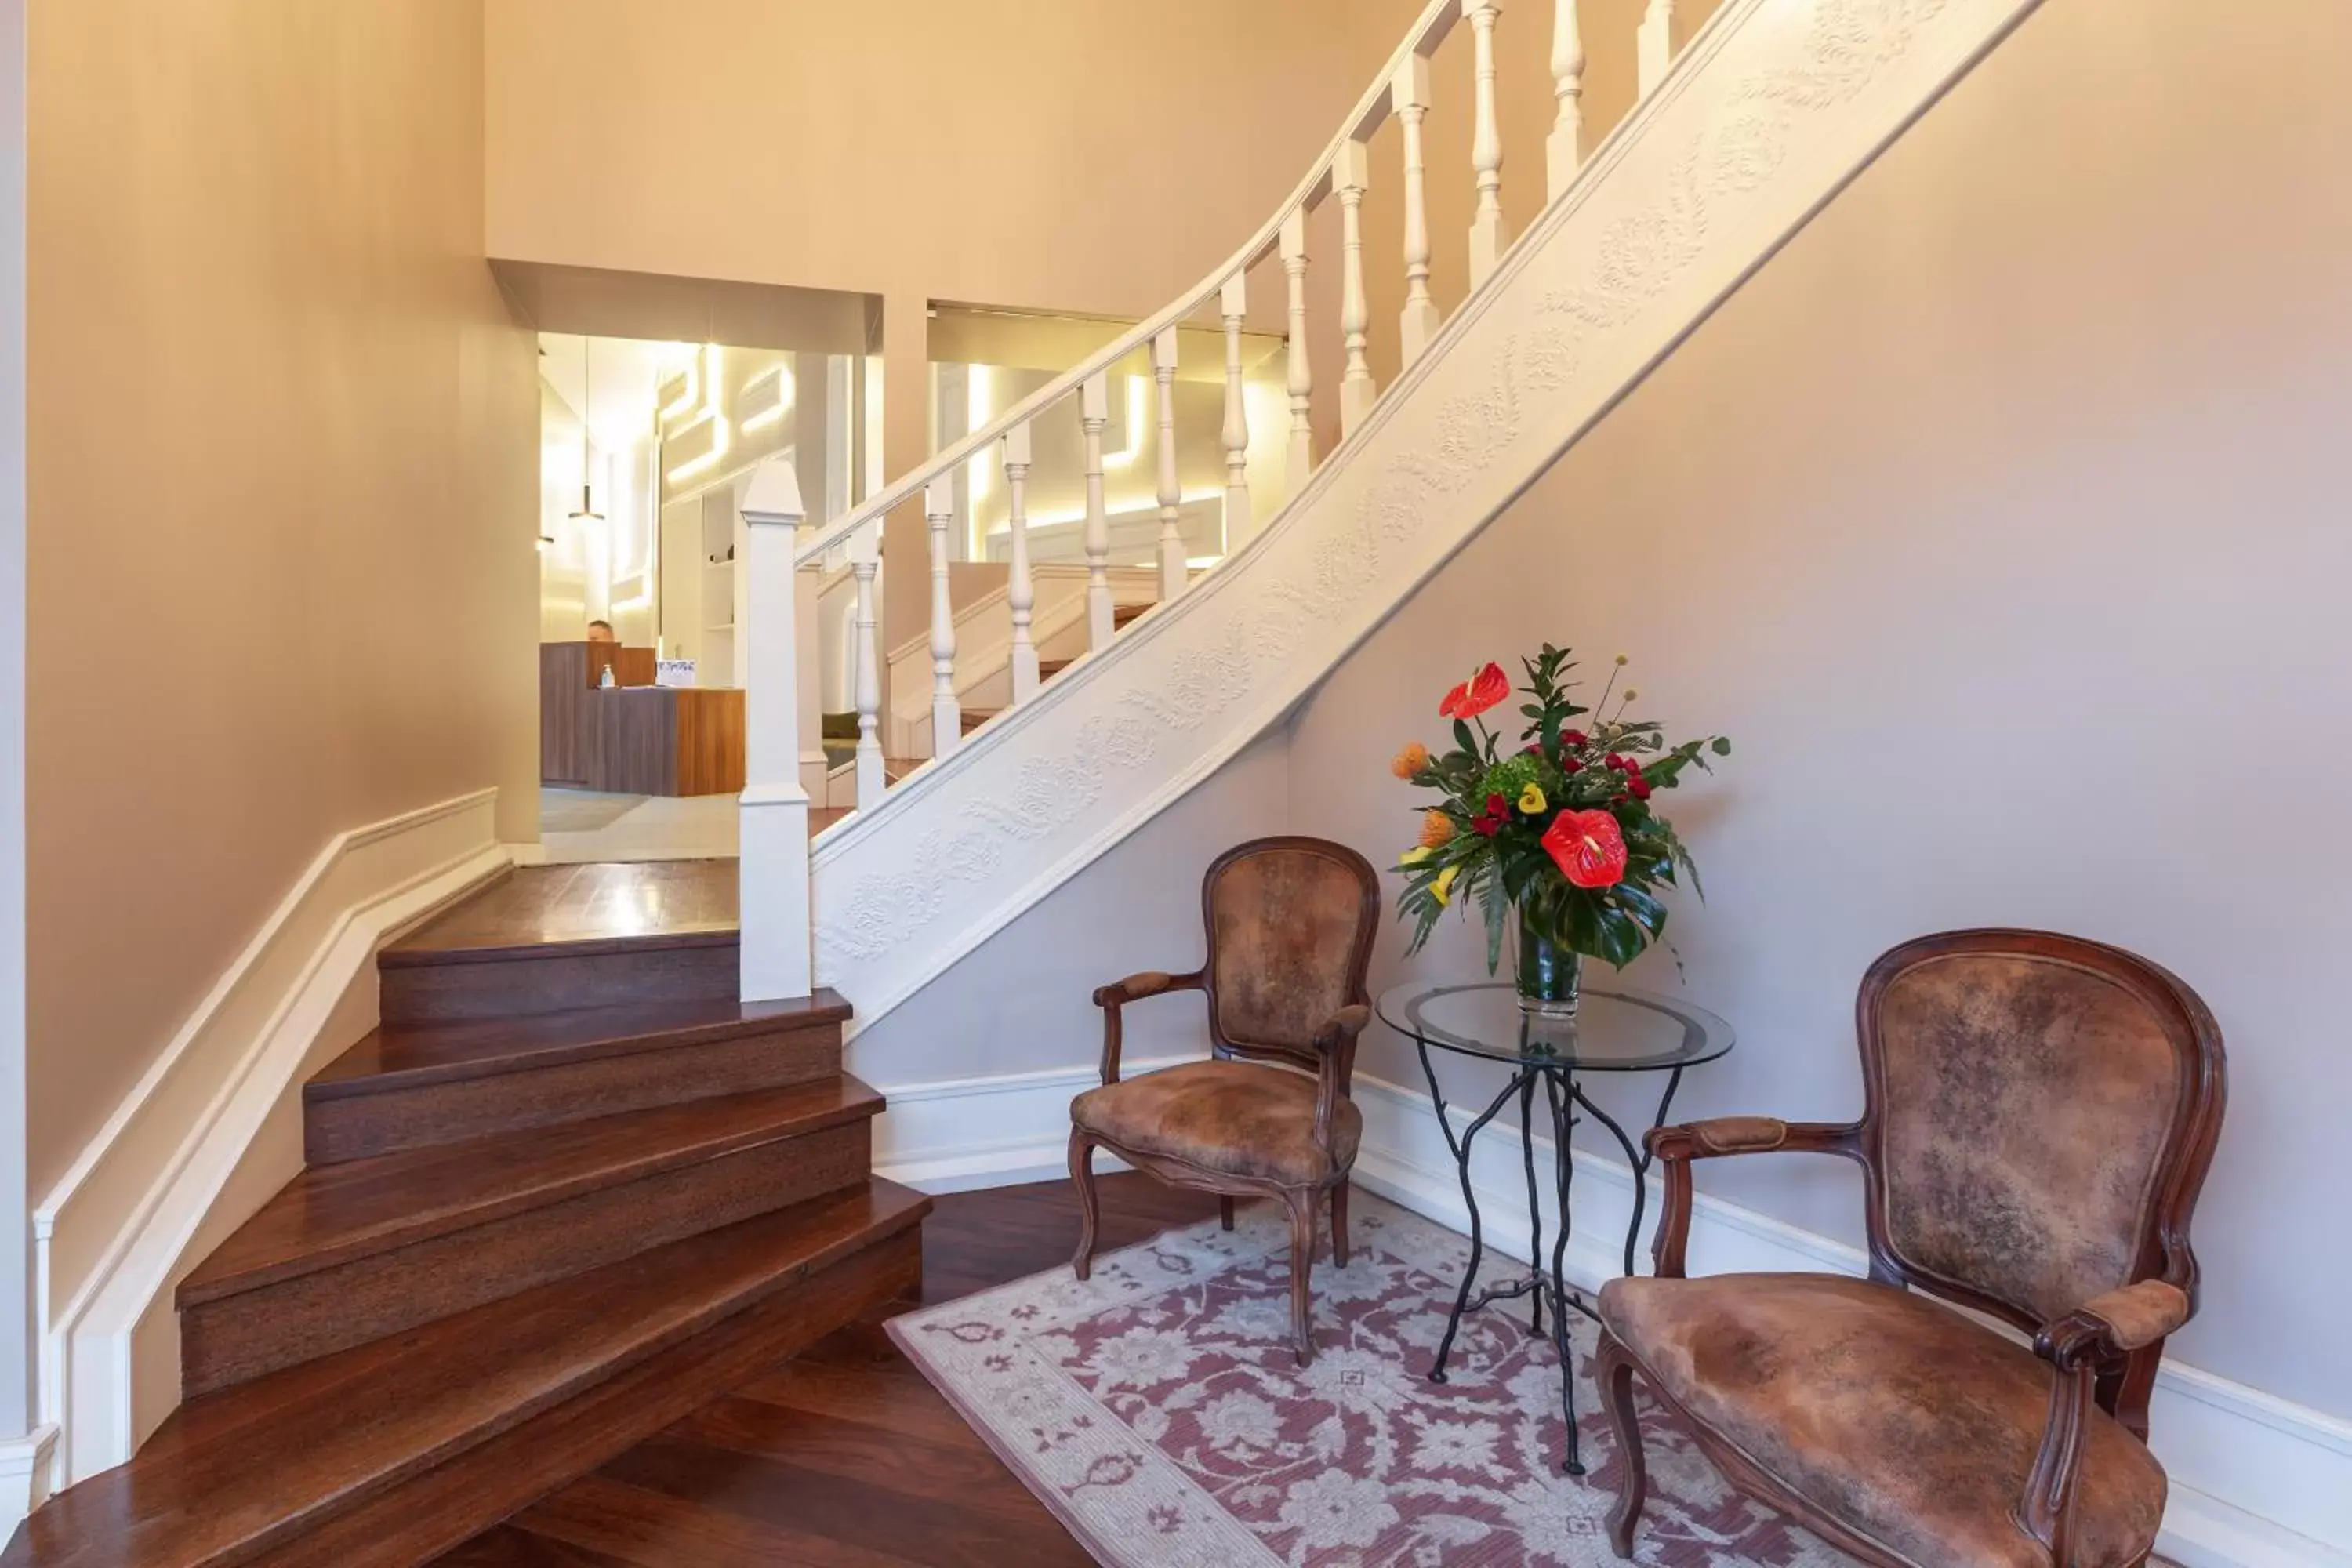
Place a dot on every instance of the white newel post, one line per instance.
(1564, 152)
(1350, 177)
(865, 561)
(1233, 305)
(1020, 592)
(775, 807)
(1171, 528)
(946, 715)
(1485, 145)
(1409, 95)
(1094, 413)
(1654, 47)
(1301, 373)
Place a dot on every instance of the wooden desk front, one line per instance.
(667, 740)
(633, 738)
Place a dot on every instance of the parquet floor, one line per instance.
(840, 1457)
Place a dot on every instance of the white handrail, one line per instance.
(1428, 30)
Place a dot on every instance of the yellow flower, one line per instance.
(1437, 830)
(1414, 856)
(1632, 695)
(1531, 799)
(1443, 887)
(1410, 760)
(1623, 661)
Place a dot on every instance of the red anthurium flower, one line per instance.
(1476, 695)
(1588, 847)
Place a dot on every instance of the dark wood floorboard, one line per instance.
(843, 1456)
(541, 904)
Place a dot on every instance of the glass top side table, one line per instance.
(1619, 1030)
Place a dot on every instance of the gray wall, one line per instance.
(2002, 523)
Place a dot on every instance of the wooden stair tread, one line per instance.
(236, 1474)
(1123, 613)
(1054, 667)
(703, 934)
(332, 1215)
(407, 1055)
(637, 907)
(974, 718)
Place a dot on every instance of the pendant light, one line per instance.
(587, 512)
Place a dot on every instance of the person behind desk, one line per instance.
(601, 631)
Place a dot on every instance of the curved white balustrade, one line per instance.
(1676, 205)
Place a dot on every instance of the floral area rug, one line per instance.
(1159, 1412)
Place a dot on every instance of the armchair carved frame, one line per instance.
(2104, 1351)
(1327, 1055)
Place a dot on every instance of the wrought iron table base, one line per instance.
(1563, 1096)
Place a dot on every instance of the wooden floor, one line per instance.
(840, 1457)
(543, 904)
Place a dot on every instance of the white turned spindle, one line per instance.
(1486, 144)
(1409, 95)
(1653, 48)
(1020, 592)
(1171, 528)
(1233, 304)
(1094, 413)
(1350, 176)
(865, 561)
(772, 811)
(1564, 152)
(1302, 373)
(946, 715)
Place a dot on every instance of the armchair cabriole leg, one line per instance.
(1082, 1174)
(1226, 1212)
(1301, 1204)
(1340, 1223)
(1614, 1370)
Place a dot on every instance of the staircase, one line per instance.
(569, 1190)
(1737, 136)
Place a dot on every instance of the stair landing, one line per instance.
(541, 905)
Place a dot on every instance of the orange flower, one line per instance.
(1410, 760)
(1437, 830)
(1483, 690)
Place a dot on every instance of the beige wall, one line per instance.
(281, 474)
(2000, 520)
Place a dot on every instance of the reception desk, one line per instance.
(632, 737)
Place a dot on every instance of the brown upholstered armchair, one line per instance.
(1290, 924)
(2039, 1113)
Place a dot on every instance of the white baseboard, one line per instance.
(935, 1139)
(2257, 1481)
(213, 1127)
(25, 1465)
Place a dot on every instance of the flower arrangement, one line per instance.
(1561, 830)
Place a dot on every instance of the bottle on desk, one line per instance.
(606, 681)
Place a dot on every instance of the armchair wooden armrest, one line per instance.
(1134, 988)
(1719, 1138)
(1335, 1045)
(2094, 1337)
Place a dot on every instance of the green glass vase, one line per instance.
(1550, 975)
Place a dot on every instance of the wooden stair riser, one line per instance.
(253, 1333)
(355, 1126)
(562, 979)
(444, 1507)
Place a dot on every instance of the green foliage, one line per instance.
(1614, 763)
